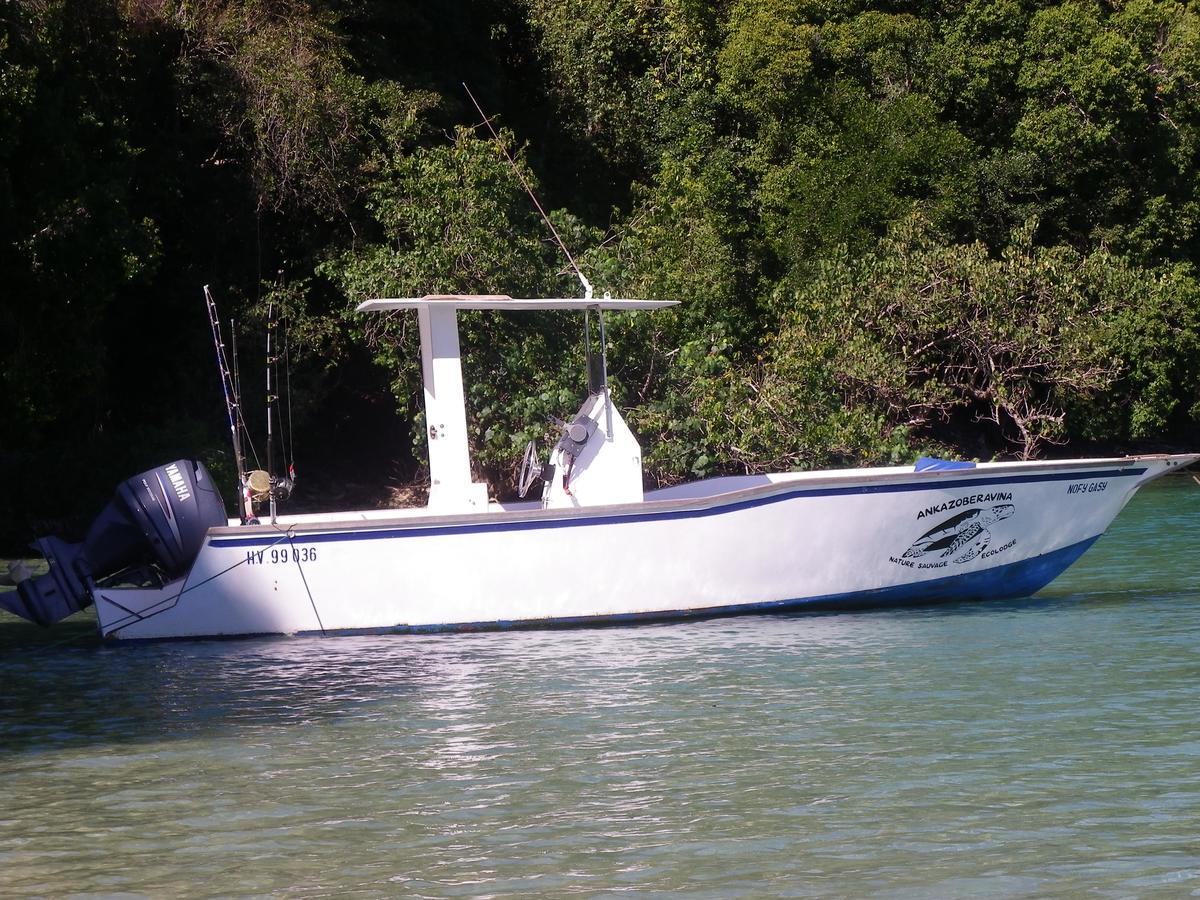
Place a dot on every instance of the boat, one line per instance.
(585, 544)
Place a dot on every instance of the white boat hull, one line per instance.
(805, 540)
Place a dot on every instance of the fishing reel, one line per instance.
(262, 487)
(284, 487)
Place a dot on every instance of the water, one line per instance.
(1043, 747)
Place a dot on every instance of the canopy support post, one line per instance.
(450, 484)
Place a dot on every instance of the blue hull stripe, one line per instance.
(1020, 579)
(399, 530)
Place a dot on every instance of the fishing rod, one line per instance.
(280, 486)
(246, 493)
(232, 402)
(237, 390)
(289, 446)
(270, 410)
(257, 482)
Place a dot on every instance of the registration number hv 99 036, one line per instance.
(280, 556)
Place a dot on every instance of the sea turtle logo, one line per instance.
(965, 534)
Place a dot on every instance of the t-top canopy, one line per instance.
(503, 301)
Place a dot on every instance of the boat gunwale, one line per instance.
(832, 478)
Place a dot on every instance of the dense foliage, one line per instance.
(967, 226)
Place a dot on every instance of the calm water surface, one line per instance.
(1043, 747)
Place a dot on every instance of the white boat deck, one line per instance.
(712, 488)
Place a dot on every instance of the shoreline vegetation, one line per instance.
(960, 228)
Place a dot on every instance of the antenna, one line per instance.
(587, 285)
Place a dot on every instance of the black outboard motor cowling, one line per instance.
(158, 518)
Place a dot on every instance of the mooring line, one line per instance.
(290, 534)
(170, 603)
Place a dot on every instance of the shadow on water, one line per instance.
(66, 687)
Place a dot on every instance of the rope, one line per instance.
(296, 557)
(170, 602)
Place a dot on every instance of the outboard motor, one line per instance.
(158, 518)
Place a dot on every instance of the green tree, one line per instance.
(924, 337)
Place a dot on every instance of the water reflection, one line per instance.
(65, 695)
(63, 687)
(1047, 745)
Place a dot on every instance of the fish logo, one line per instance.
(965, 534)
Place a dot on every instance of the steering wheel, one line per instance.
(531, 469)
